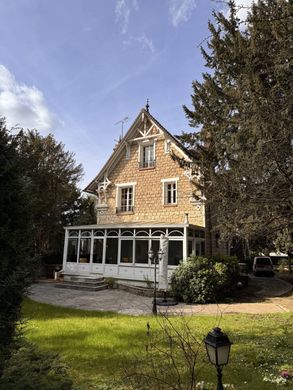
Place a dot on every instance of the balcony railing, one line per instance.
(147, 164)
(124, 209)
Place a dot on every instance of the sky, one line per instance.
(75, 68)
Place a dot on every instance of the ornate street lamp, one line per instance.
(154, 259)
(218, 350)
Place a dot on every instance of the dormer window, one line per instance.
(147, 155)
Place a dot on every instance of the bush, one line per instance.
(30, 369)
(200, 280)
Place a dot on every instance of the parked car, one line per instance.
(263, 265)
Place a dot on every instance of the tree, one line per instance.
(242, 110)
(53, 176)
(16, 262)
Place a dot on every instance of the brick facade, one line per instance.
(148, 196)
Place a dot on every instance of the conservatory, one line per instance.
(122, 251)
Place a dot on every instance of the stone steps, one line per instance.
(84, 283)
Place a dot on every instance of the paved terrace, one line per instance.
(268, 299)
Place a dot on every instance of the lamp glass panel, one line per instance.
(223, 354)
(211, 354)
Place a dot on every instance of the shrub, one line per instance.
(200, 280)
(111, 282)
(30, 369)
(231, 274)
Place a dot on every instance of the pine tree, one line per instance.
(243, 114)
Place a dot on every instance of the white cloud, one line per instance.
(242, 7)
(143, 41)
(23, 105)
(180, 11)
(123, 10)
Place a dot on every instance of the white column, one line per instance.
(185, 243)
(65, 248)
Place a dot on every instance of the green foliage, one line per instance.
(243, 114)
(16, 265)
(30, 369)
(199, 280)
(111, 282)
(52, 175)
(148, 282)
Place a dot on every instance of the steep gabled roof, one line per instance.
(114, 158)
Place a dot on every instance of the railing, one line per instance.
(124, 209)
(147, 164)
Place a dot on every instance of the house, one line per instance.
(142, 193)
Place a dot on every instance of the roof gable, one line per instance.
(145, 127)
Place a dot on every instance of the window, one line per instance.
(84, 250)
(126, 251)
(175, 252)
(98, 250)
(169, 191)
(141, 251)
(147, 156)
(125, 198)
(111, 251)
(72, 250)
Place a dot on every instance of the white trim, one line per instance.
(126, 184)
(147, 138)
(167, 146)
(120, 186)
(128, 151)
(65, 248)
(165, 183)
(144, 144)
(132, 225)
(169, 180)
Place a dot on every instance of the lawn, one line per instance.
(97, 346)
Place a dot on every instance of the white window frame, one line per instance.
(119, 188)
(165, 183)
(141, 148)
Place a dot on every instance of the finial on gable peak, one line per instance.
(147, 105)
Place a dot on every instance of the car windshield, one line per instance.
(264, 261)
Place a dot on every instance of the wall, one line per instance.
(148, 200)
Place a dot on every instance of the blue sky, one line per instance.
(76, 67)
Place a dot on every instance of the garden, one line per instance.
(101, 349)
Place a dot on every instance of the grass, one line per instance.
(97, 345)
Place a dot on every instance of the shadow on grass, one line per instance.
(44, 311)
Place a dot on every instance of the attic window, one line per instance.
(147, 156)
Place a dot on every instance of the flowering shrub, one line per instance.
(276, 379)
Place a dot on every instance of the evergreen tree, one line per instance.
(243, 112)
(16, 264)
(53, 177)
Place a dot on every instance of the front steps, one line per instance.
(84, 283)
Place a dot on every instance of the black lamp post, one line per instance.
(154, 259)
(218, 350)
